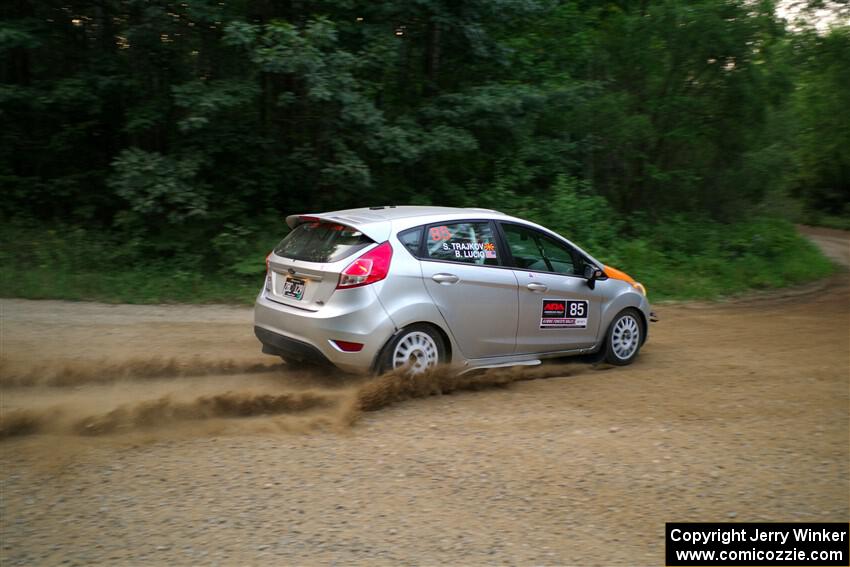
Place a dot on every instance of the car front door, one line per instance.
(557, 309)
(477, 299)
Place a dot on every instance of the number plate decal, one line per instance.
(564, 314)
(293, 288)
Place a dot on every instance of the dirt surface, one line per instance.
(161, 436)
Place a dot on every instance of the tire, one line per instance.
(624, 338)
(420, 347)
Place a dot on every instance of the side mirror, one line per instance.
(591, 274)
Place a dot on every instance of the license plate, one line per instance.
(294, 288)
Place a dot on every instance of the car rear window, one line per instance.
(322, 242)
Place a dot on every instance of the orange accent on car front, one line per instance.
(616, 274)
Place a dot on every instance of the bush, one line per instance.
(690, 259)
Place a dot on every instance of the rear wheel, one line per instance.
(624, 338)
(417, 348)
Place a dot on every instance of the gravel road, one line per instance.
(159, 435)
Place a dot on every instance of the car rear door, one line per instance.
(557, 309)
(477, 298)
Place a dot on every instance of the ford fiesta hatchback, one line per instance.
(371, 290)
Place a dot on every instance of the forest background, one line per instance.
(150, 149)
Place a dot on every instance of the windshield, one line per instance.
(321, 242)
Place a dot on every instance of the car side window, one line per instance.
(411, 239)
(468, 242)
(533, 250)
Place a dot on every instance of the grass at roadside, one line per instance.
(681, 259)
(129, 285)
(814, 218)
(686, 259)
(73, 263)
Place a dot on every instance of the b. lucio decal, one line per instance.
(564, 314)
(471, 249)
(462, 250)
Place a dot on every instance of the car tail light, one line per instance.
(348, 346)
(369, 268)
(268, 272)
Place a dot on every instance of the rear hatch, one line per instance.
(304, 268)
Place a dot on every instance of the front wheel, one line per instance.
(417, 348)
(624, 338)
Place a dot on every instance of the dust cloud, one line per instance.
(163, 395)
(103, 372)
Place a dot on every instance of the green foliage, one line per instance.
(572, 209)
(206, 101)
(687, 258)
(817, 218)
(682, 258)
(16, 37)
(568, 207)
(153, 184)
(238, 248)
(821, 130)
(71, 262)
(250, 107)
(182, 132)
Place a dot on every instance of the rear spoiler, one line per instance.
(378, 231)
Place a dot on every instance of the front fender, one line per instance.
(621, 295)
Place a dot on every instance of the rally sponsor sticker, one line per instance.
(564, 314)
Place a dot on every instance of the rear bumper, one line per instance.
(280, 345)
(353, 315)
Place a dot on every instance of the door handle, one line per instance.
(537, 287)
(445, 278)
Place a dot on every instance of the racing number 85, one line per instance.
(577, 309)
(440, 233)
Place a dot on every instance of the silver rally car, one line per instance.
(382, 288)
